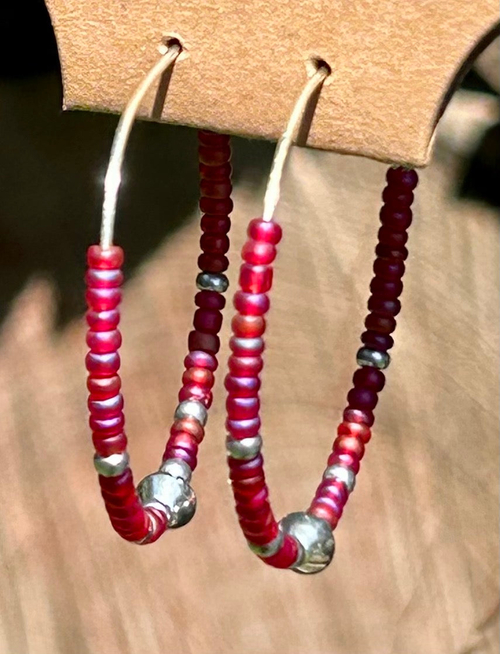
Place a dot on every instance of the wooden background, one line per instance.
(416, 567)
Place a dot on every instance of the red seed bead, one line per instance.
(389, 269)
(326, 509)
(96, 278)
(210, 300)
(215, 189)
(200, 376)
(349, 444)
(376, 341)
(389, 252)
(387, 236)
(216, 207)
(402, 177)
(248, 326)
(256, 501)
(215, 224)
(107, 426)
(397, 219)
(122, 485)
(214, 263)
(103, 387)
(213, 139)
(258, 252)
(104, 342)
(201, 359)
(386, 288)
(251, 304)
(245, 366)
(346, 459)
(196, 392)
(240, 429)
(384, 306)
(106, 446)
(332, 489)
(242, 408)
(249, 487)
(382, 324)
(103, 321)
(108, 408)
(208, 321)
(368, 377)
(240, 351)
(188, 426)
(354, 429)
(214, 243)
(185, 441)
(362, 398)
(222, 171)
(397, 197)
(265, 230)
(102, 365)
(107, 259)
(179, 453)
(242, 386)
(255, 279)
(246, 469)
(103, 299)
(286, 556)
(364, 416)
(211, 156)
(209, 343)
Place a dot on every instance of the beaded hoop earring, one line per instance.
(165, 498)
(303, 541)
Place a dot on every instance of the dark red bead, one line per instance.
(401, 176)
(377, 341)
(214, 156)
(217, 189)
(398, 197)
(362, 398)
(102, 365)
(268, 231)
(364, 417)
(207, 320)
(368, 377)
(388, 252)
(382, 324)
(248, 326)
(216, 207)
(384, 306)
(251, 304)
(214, 243)
(242, 386)
(258, 253)
(396, 219)
(389, 269)
(112, 257)
(215, 224)
(207, 342)
(242, 408)
(386, 288)
(104, 342)
(222, 171)
(392, 239)
(210, 300)
(214, 263)
(213, 139)
(103, 321)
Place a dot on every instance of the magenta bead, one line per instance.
(242, 408)
(263, 230)
(239, 351)
(201, 359)
(109, 426)
(96, 278)
(107, 259)
(102, 365)
(286, 556)
(103, 321)
(251, 304)
(333, 489)
(209, 343)
(210, 300)
(242, 386)
(348, 459)
(207, 320)
(258, 252)
(103, 387)
(255, 279)
(107, 445)
(198, 392)
(239, 470)
(362, 398)
(104, 342)
(108, 408)
(245, 366)
(243, 428)
(103, 299)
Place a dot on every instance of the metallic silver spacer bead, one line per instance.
(192, 409)
(172, 495)
(243, 449)
(206, 281)
(342, 474)
(112, 465)
(248, 344)
(270, 548)
(315, 538)
(177, 468)
(373, 358)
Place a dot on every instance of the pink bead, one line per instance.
(256, 500)
(189, 426)
(209, 343)
(108, 426)
(368, 377)
(103, 387)
(365, 417)
(362, 398)
(267, 231)
(245, 366)
(107, 445)
(240, 350)
(201, 376)
(111, 407)
(248, 326)
(266, 533)
(258, 252)
(251, 304)
(102, 365)
(210, 300)
(242, 386)
(242, 408)
(240, 429)
(355, 429)
(104, 259)
(334, 490)
(248, 487)
(103, 321)
(104, 342)
(201, 359)
(207, 320)
(103, 299)
(179, 453)
(245, 469)
(198, 392)
(350, 445)
(326, 509)
(346, 459)
(96, 278)
(216, 207)
(215, 224)
(256, 279)
(184, 441)
(286, 556)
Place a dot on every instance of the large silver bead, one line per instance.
(112, 465)
(177, 468)
(369, 357)
(270, 548)
(192, 409)
(343, 474)
(212, 282)
(246, 448)
(169, 494)
(315, 538)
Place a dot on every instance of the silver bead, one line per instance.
(315, 538)
(112, 465)
(192, 409)
(177, 468)
(212, 282)
(246, 448)
(172, 495)
(249, 345)
(373, 358)
(269, 549)
(343, 474)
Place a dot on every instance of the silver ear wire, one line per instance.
(113, 177)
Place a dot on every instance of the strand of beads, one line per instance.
(165, 498)
(303, 541)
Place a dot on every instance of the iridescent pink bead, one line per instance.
(245, 366)
(106, 446)
(102, 365)
(365, 417)
(96, 278)
(258, 252)
(103, 321)
(347, 459)
(350, 445)
(201, 359)
(242, 408)
(242, 386)
(103, 387)
(110, 407)
(109, 258)
(326, 509)
(103, 299)
(385, 307)
(267, 231)
(198, 392)
(239, 470)
(104, 342)
(251, 304)
(240, 429)
(109, 426)
(255, 279)
(333, 489)
(242, 347)
(286, 556)
(201, 376)
(248, 326)
(354, 429)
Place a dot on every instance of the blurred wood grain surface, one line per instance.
(416, 567)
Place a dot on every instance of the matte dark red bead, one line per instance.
(216, 207)
(200, 341)
(362, 398)
(386, 288)
(377, 341)
(210, 300)
(369, 377)
(215, 224)
(388, 252)
(389, 269)
(211, 156)
(397, 196)
(214, 263)
(217, 189)
(384, 306)
(222, 171)
(214, 243)
(213, 139)
(377, 323)
(104, 259)
(207, 320)
(396, 219)
(401, 176)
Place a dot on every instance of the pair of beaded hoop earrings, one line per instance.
(302, 541)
